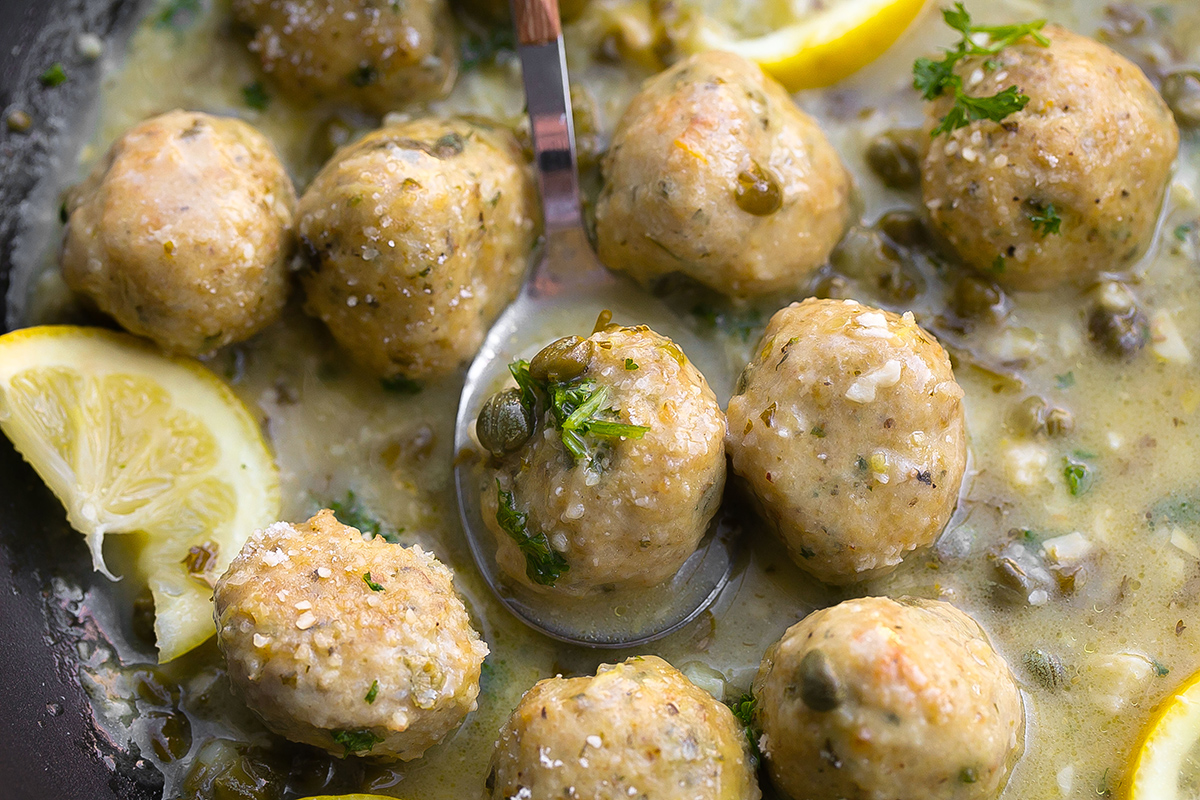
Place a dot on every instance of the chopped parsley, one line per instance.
(630, 364)
(361, 741)
(579, 408)
(818, 431)
(477, 48)
(543, 564)
(1160, 669)
(1045, 220)
(397, 384)
(351, 512)
(255, 95)
(1078, 475)
(998, 264)
(743, 709)
(373, 692)
(934, 78)
(1181, 232)
(372, 584)
(55, 75)
(1065, 380)
(743, 323)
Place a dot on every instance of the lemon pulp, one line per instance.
(132, 441)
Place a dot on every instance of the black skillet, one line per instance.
(50, 747)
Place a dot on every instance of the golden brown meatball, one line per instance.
(715, 173)
(626, 511)
(379, 54)
(848, 429)
(1093, 148)
(418, 236)
(875, 699)
(637, 729)
(349, 645)
(182, 232)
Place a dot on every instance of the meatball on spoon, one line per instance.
(564, 293)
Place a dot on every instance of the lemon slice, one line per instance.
(1166, 766)
(132, 441)
(805, 48)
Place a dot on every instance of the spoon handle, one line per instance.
(548, 96)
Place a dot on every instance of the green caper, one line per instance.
(561, 360)
(1115, 323)
(977, 298)
(820, 688)
(1034, 416)
(505, 423)
(1046, 668)
(865, 255)
(1059, 422)
(757, 192)
(906, 228)
(894, 156)
(1181, 90)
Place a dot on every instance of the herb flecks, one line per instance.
(1045, 219)
(54, 75)
(373, 692)
(351, 512)
(255, 96)
(1078, 476)
(372, 584)
(743, 710)
(935, 78)
(360, 741)
(543, 564)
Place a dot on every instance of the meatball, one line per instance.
(617, 508)
(636, 729)
(875, 699)
(715, 173)
(418, 235)
(182, 232)
(848, 430)
(1063, 190)
(348, 645)
(377, 55)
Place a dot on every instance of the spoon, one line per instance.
(565, 292)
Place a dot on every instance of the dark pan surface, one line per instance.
(50, 748)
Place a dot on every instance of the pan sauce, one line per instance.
(1090, 597)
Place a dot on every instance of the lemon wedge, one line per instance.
(805, 48)
(132, 441)
(1166, 766)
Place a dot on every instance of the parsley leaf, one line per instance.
(374, 586)
(55, 75)
(1078, 475)
(543, 564)
(743, 709)
(630, 364)
(359, 741)
(350, 512)
(1046, 220)
(373, 692)
(255, 96)
(934, 78)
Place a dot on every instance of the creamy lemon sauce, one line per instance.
(1090, 595)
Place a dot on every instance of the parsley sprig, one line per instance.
(356, 741)
(579, 408)
(1045, 220)
(743, 709)
(543, 564)
(934, 78)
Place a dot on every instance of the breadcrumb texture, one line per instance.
(378, 55)
(306, 638)
(669, 202)
(418, 235)
(1096, 141)
(928, 710)
(848, 429)
(631, 515)
(638, 729)
(182, 232)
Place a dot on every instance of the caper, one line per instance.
(1115, 324)
(820, 688)
(1059, 422)
(505, 423)
(977, 298)
(906, 228)
(757, 192)
(1034, 416)
(1046, 668)
(894, 156)
(561, 360)
(1181, 90)
(864, 254)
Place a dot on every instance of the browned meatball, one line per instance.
(1092, 149)
(875, 699)
(638, 729)
(350, 645)
(379, 54)
(182, 232)
(715, 173)
(848, 429)
(418, 235)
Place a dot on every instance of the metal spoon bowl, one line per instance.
(566, 291)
